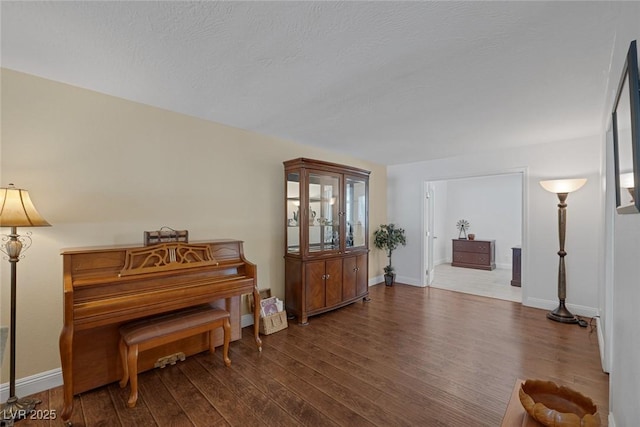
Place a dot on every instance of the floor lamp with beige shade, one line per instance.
(562, 187)
(16, 210)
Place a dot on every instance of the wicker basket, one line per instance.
(273, 323)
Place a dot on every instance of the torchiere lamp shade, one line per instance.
(17, 210)
(560, 186)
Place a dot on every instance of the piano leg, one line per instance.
(256, 318)
(66, 359)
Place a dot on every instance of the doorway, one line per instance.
(493, 205)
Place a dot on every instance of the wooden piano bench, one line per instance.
(155, 331)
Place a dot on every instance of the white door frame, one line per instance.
(428, 234)
(428, 209)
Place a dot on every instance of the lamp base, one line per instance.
(562, 315)
(16, 409)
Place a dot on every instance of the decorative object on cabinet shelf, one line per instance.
(312, 216)
(16, 210)
(471, 236)
(165, 235)
(388, 237)
(562, 187)
(462, 226)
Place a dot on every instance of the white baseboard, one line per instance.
(406, 280)
(603, 360)
(376, 280)
(33, 384)
(246, 320)
(612, 421)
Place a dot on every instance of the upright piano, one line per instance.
(105, 287)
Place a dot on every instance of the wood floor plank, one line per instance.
(263, 378)
(411, 356)
(269, 412)
(390, 404)
(235, 411)
(161, 403)
(335, 383)
(198, 409)
(99, 409)
(381, 364)
(139, 415)
(331, 406)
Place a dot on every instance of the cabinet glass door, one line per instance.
(293, 213)
(356, 212)
(324, 203)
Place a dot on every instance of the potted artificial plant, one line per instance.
(388, 237)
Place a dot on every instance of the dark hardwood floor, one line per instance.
(410, 357)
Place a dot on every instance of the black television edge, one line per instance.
(626, 135)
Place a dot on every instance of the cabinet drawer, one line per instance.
(471, 258)
(478, 246)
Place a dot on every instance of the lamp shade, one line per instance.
(17, 210)
(560, 186)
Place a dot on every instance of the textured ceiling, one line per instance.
(390, 82)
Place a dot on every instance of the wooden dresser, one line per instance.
(474, 254)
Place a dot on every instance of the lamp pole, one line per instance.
(562, 188)
(15, 408)
(16, 210)
(561, 313)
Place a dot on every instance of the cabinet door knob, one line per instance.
(327, 276)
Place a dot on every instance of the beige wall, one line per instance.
(102, 170)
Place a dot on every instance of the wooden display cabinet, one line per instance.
(327, 236)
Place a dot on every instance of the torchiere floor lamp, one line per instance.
(562, 187)
(16, 210)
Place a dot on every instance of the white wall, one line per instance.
(576, 158)
(102, 170)
(622, 255)
(493, 207)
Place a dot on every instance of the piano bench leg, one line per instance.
(125, 365)
(132, 361)
(226, 327)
